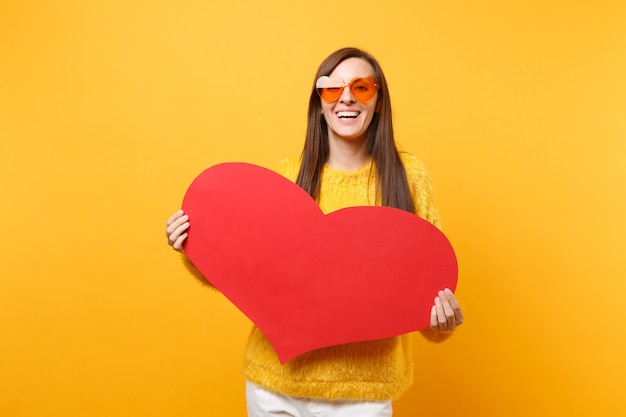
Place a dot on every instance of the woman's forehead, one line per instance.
(352, 68)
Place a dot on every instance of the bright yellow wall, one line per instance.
(108, 109)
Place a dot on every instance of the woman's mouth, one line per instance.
(348, 114)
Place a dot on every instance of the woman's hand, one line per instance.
(176, 230)
(446, 314)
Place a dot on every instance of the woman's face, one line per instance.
(347, 118)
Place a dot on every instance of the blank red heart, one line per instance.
(310, 280)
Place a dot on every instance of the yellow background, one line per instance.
(108, 110)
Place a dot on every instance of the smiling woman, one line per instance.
(348, 148)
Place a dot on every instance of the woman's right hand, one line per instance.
(176, 230)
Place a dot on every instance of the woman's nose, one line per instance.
(346, 96)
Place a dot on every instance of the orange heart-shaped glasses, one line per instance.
(362, 89)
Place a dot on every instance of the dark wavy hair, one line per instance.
(392, 188)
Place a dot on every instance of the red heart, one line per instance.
(310, 280)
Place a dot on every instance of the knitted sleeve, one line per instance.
(195, 272)
(289, 168)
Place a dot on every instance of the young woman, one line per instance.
(349, 159)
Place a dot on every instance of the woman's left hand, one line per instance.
(446, 314)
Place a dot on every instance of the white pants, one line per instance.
(263, 403)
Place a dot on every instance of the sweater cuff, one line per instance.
(436, 336)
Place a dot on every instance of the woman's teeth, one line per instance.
(347, 114)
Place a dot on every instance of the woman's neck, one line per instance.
(347, 155)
